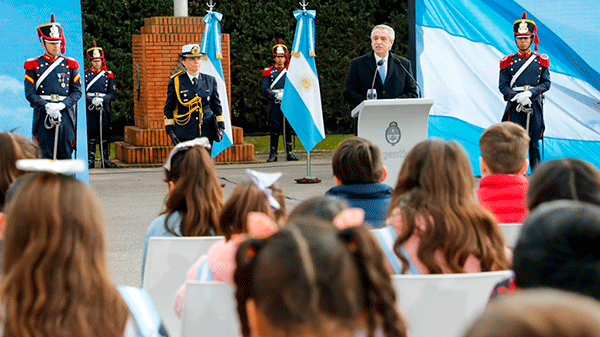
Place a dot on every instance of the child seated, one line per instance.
(309, 279)
(194, 198)
(440, 227)
(261, 194)
(358, 171)
(503, 165)
(55, 281)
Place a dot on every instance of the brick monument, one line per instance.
(154, 58)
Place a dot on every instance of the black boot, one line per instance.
(290, 155)
(106, 150)
(91, 153)
(274, 143)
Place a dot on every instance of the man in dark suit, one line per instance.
(193, 103)
(393, 80)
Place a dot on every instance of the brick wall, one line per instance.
(154, 54)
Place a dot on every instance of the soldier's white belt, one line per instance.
(523, 88)
(53, 97)
(95, 94)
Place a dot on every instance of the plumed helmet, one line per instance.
(95, 53)
(280, 49)
(525, 27)
(52, 32)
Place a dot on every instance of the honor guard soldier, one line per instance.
(53, 87)
(273, 82)
(524, 77)
(100, 92)
(193, 108)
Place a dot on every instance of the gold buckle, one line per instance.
(526, 87)
(96, 94)
(54, 97)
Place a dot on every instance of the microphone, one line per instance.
(411, 76)
(379, 64)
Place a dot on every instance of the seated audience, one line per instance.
(566, 178)
(262, 194)
(558, 179)
(194, 198)
(309, 279)
(440, 226)
(321, 207)
(12, 148)
(55, 281)
(539, 313)
(359, 172)
(503, 164)
(558, 248)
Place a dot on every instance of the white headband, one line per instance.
(263, 181)
(201, 141)
(63, 166)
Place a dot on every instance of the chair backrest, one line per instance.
(209, 310)
(167, 262)
(511, 233)
(443, 304)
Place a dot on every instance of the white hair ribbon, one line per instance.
(263, 181)
(201, 141)
(62, 166)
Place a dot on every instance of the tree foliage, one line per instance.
(342, 33)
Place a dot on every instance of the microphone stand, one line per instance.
(370, 94)
(412, 78)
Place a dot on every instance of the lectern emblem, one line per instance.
(392, 133)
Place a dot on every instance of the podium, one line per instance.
(395, 126)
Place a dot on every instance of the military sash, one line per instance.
(278, 77)
(94, 80)
(48, 71)
(522, 69)
(193, 105)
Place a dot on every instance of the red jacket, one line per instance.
(504, 196)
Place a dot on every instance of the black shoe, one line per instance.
(91, 153)
(272, 154)
(106, 151)
(291, 156)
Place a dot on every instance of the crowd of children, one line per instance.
(322, 269)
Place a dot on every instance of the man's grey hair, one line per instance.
(390, 30)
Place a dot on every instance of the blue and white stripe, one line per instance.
(459, 45)
(211, 46)
(142, 309)
(301, 103)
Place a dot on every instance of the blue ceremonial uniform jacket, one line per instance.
(398, 83)
(273, 109)
(105, 85)
(537, 76)
(64, 80)
(183, 100)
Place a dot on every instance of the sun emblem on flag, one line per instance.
(306, 82)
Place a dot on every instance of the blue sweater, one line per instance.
(373, 198)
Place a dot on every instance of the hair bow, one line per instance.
(263, 181)
(63, 166)
(201, 141)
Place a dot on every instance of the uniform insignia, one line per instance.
(72, 63)
(54, 33)
(523, 28)
(96, 53)
(544, 60)
(267, 72)
(31, 63)
(177, 74)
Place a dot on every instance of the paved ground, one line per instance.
(133, 197)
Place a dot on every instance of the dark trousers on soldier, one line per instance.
(94, 138)
(275, 132)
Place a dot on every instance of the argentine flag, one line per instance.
(301, 103)
(459, 46)
(211, 46)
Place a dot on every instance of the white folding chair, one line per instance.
(209, 310)
(511, 233)
(167, 262)
(443, 304)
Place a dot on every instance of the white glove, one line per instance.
(522, 98)
(60, 106)
(97, 101)
(52, 111)
(279, 95)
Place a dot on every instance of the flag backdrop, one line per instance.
(301, 103)
(20, 42)
(211, 46)
(459, 45)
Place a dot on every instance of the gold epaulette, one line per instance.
(176, 74)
